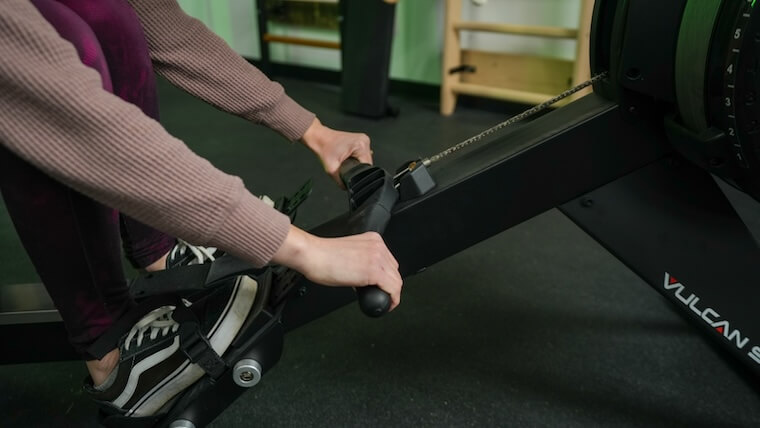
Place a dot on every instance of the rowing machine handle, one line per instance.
(371, 197)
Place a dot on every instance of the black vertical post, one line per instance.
(366, 41)
(262, 14)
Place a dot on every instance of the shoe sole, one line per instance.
(220, 337)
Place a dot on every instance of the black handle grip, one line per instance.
(345, 169)
(373, 301)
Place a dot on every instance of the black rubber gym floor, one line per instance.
(538, 326)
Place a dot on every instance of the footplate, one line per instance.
(255, 350)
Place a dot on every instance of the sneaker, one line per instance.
(153, 368)
(185, 253)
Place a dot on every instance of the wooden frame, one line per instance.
(315, 43)
(518, 78)
(266, 38)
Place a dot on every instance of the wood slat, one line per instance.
(272, 38)
(582, 56)
(452, 56)
(526, 73)
(522, 30)
(502, 94)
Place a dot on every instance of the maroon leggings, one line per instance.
(73, 241)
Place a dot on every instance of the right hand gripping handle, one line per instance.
(371, 198)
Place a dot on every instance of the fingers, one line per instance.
(337, 146)
(384, 272)
(361, 150)
(349, 145)
(357, 261)
(388, 280)
(393, 287)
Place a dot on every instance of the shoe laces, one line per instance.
(200, 254)
(158, 321)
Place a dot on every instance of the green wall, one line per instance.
(417, 44)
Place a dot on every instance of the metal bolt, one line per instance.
(302, 291)
(247, 373)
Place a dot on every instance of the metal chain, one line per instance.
(524, 115)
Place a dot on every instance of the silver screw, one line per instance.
(247, 373)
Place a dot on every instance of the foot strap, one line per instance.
(195, 345)
(187, 280)
(192, 342)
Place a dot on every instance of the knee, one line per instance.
(74, 29)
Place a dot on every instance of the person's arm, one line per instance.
(192, 57)
(195, 59)
(55, 115)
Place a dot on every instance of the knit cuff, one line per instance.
(253, 231)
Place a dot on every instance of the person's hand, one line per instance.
(357, 261)
(333, 147)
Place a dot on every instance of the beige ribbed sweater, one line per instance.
(55, 114)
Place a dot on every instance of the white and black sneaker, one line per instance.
(155, 354)
(184, 254)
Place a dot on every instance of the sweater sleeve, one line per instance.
(55, 115)
(189, 55)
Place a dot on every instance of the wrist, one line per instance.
(294, 250)
(313, 138)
